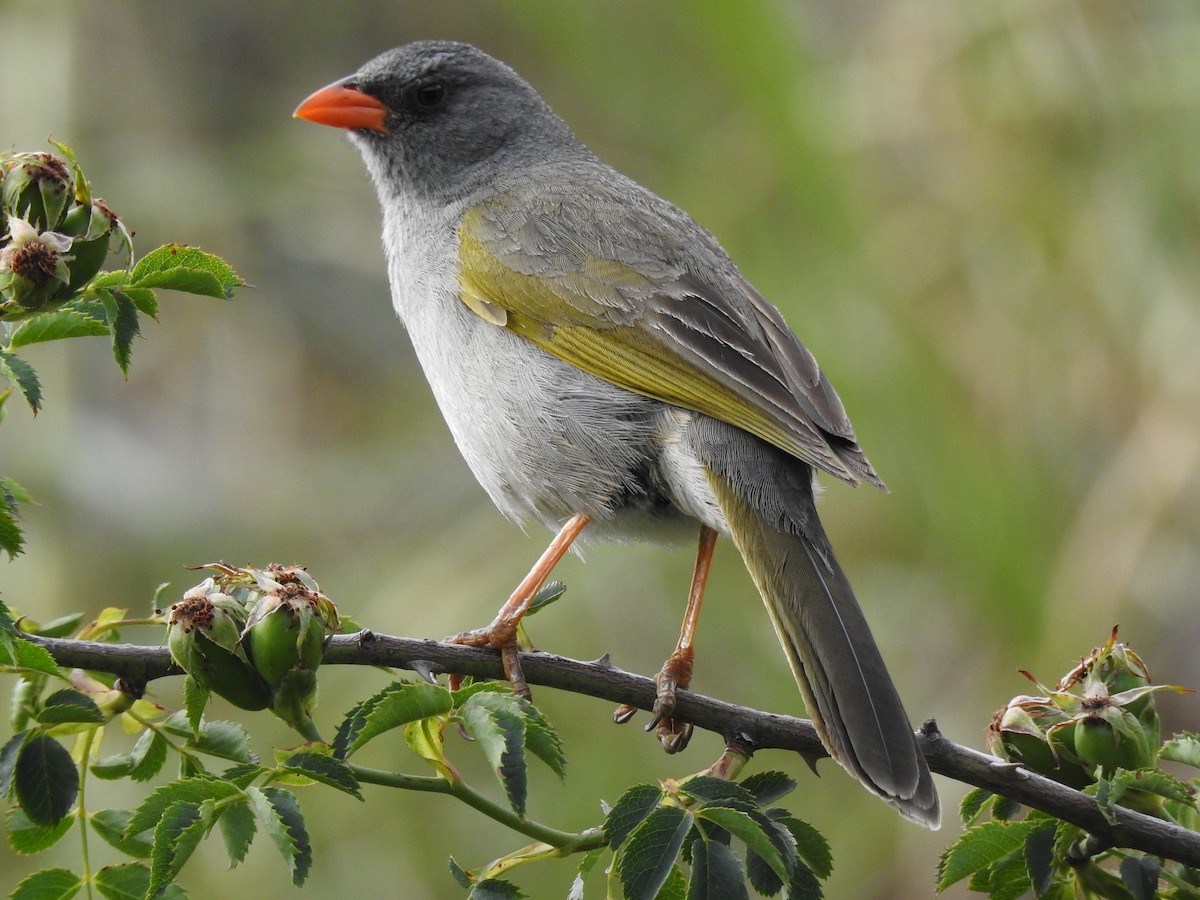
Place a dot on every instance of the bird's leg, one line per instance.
(502, 633)
(677, 670)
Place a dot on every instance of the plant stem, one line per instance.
(81, 805)
(568, 841)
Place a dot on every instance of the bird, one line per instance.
(604, 367)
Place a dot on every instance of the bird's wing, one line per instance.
(624, 303)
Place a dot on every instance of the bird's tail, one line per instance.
(846, 686)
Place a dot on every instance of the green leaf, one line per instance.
(56, 326)
(764, 878)
(29, 655)
(585, 869)
(972, 805)
(112, 768)
(542, 741)
(978, 848)
(280, 815)
(395, 705)
(48, 884)
(547, 594)
(144, 299)
(122, 317)
(69, 705)
(112, 825)
(60, 627)
(810, 844)
(459, 873)
(767, 787)
(193, 790)
(707, 789)
(496, 723)
(8, 760)
(237, 824)
(324, 769)
(1039, 856)
(195, 698)
(1182, 748)
(11, 539)
(1140, 875)
(26, 837)
(131, 881)
(649, 853)
(181, 268)
(46, 780)
(716, 873)
(149, 754)
(23, 377)
(495, 889)
(749, 832)
(227, 740)
(176, 836)
(804, 884)
(630, 810)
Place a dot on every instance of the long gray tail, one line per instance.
(767, 500)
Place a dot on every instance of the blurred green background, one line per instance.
(981, 217)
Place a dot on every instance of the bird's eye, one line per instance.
(429, 96)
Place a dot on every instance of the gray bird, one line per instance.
(603, 364)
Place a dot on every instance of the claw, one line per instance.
(624, 713)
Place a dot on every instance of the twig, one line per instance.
(136, 665)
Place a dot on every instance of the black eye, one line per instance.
(429, 96)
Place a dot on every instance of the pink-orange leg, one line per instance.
(502, 633)
(677, 670)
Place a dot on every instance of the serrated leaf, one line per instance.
(69, 705)
(651, 850)
(495, 889)
(749, 832)
(764, 879)
(1182, 748)
(54, 326)
(111, 825)
(716, 873)
(1005, 879)
(176, 836)
(1039, 857)
(227, 740)
(804, 884)
(122, 317)
(810, 844)
(585, 869)
(324, 769)
(12, 540)
(195, 698)
(23, 377)
(238, 827)
(425, 738)
(395, 705)
(459, 873)
(496, 723)
(707, 789)
(542, 741)
(629, 811)
(187, 269)
(45, 779)
(548, 593)
(149, 754)
(8, 760)
(189, 790)
(25, 836)
(144, 299)
(972, 805)
(280, 815)
(1140, 875)
(33, 657)
(767, 787)
(48, 884)
(112, 768)
(61, 626)
(979, 847)
(129, 881)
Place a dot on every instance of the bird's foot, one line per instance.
(672, 733)
(500, 635)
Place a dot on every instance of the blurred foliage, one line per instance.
(981, 217)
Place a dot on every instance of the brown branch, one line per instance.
(136, 665)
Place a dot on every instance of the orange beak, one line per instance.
(342, 105)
